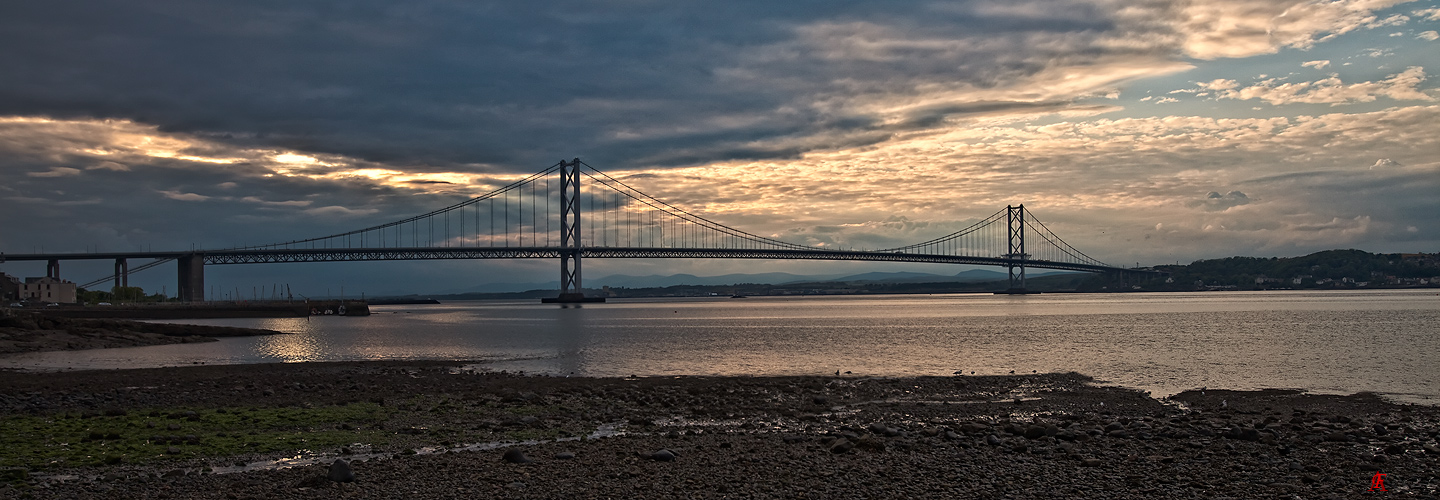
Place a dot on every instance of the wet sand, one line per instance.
(1035, 436)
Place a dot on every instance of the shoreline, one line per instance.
(1026, 436)
(26, 333)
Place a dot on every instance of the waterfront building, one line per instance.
(9, 288)
(48, 289)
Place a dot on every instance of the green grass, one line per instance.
(71, 439)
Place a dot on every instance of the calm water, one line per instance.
(1332, 342)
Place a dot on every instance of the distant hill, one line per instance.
(1322, 270)
(661, 281)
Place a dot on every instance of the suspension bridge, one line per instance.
(552, 214)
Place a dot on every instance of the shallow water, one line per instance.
(1329, 342)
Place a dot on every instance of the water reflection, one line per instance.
(1334, 342)
(291, 348)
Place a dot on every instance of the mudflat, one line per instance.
(440, 429)
(31, 332)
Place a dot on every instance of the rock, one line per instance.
(340, 472)
(820, 400)
(1284, 487)
(871, 443)
(1249, 434)
(1337, 437)
(315, 481)
(564, 455)
(663, 456)
(515, 456)
(517, 485)
(173, 450)
(841, 445)
(1090, 462)
(1034, 432)
(992, 440)
(174, 473)
(1394, 449)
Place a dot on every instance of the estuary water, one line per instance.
(1384, 341)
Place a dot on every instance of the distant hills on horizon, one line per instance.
(660, 281)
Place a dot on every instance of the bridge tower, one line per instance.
(570, 245)
(191, 275)
(1015, 232)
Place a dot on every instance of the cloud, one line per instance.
(1239, 28)
(176, 195)
(56, 172)
(109, 165)
(844, 123)
(454, 84)
(1431, 14)
(1400, 86)
(1384, 163)
(291, 203)
(1320, 64)
(1214, 201)
(1431, 35)
(338, 211)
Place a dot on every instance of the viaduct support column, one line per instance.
(192, 277)
(52, 269)
(122, 273)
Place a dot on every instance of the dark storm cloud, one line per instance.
(518, 84)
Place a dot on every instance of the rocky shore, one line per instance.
(439, 430)
(33, 332)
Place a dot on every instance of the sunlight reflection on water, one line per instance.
(1380, 341)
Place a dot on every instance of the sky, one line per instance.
(1143, 132)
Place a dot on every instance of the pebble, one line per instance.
(663, 456)
(340, 471)
(515, 456)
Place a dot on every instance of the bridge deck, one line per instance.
(271, 256)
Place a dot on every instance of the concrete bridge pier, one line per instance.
(52, 268)
(122, 273)
(192, 277)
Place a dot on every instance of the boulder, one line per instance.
(340, 471)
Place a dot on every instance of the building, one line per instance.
(9, 288)
(48, 289)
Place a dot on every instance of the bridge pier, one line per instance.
(122, 273)
(192, 277)
(52, 268)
